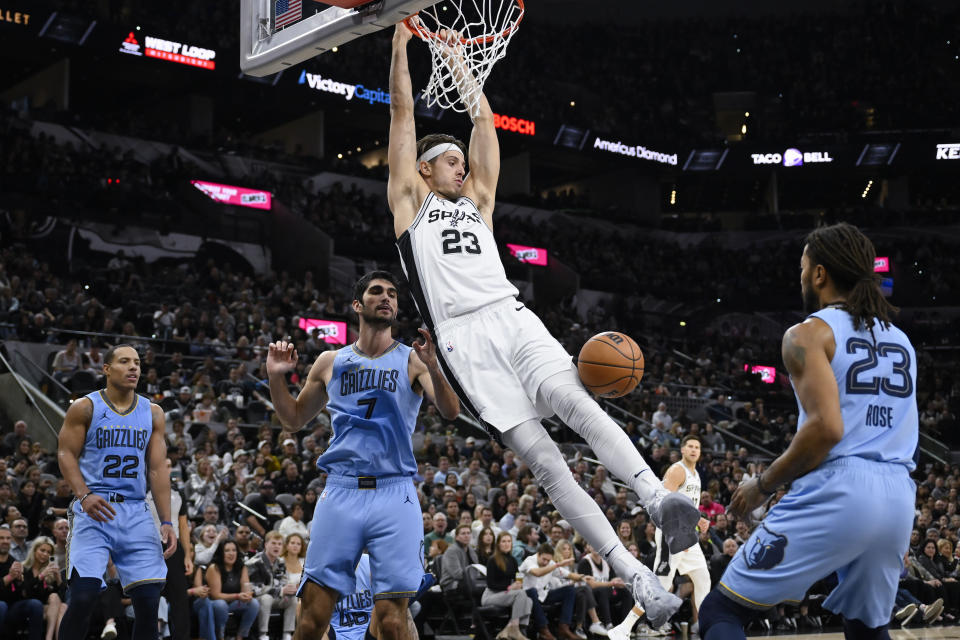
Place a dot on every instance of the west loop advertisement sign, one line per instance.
(530, 255)
(637, 151)
(792, 157)
(169, 50)
(332, 331)
(229, 194)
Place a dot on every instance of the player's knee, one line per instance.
(392, 626)
(84, 593)
(856, 630)
(720, 613)
(146, 592)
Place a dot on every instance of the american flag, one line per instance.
(286, 12)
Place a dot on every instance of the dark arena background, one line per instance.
(661, 165)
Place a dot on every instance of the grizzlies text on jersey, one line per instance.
(373, 411)
(115, 448)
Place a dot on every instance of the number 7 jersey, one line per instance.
(451, 260)
(113, 456)
(373, 412)
(876, 376)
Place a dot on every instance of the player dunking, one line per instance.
(373, 390)
(854, 374)
(110, 441)
(505, 366)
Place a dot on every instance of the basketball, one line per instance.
(610, 364)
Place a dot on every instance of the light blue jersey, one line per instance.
(116, 445)
(113, 466)
(823, 524)
(373, 412)
(876, 375)
(351, 616)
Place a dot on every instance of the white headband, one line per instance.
(437, 150)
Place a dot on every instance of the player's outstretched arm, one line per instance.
(160, 479)
(805, 352)
(430, 377)
(484, 161)
(404, 182)
(296, 412)
(69, 447)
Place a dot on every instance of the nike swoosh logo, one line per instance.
(607, 554)
(518, 308)
(639, 472)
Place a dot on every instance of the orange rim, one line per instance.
(426, 34)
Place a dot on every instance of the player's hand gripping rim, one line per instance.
(97, 508)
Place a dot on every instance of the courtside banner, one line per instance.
(331, 331)
(530, 255)
(239, 196)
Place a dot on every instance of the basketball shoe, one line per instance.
(652, 598)
(677, 516)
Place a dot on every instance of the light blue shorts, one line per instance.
(386, 521)
(850, 515)
(131, 539)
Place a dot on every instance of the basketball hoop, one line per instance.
(465, 38)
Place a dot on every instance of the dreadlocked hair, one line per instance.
(848, 257)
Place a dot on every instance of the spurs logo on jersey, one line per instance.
(451, 260)
(691, 483)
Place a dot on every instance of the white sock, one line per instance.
(570, 400)
(628, 622)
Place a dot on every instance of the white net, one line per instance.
(466, 38)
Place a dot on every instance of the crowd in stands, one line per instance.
(202, 332)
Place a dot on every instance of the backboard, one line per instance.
(306, 29)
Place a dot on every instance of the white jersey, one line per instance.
(691, 484)
(451, 260)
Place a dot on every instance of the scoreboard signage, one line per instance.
(767, 374)
(515, 125)
(881, 264)
(529, 255)
(239, 196)
(331, 331)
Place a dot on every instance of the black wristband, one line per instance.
(760, 486)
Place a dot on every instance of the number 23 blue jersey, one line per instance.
(113, 457)
(373, 412)
(876, 375)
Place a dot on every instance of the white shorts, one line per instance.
(496, 358)
(683, 563)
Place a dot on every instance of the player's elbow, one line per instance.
(450, 413)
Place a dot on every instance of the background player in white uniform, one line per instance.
(505, 366)
(372, 389)
(682, 477)
(111, 441)
(854, 374)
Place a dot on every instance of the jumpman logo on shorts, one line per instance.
(407, 499)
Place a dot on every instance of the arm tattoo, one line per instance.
(794, 355)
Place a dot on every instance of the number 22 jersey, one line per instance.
(451, 260)
(876, 375)
(115, 448)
